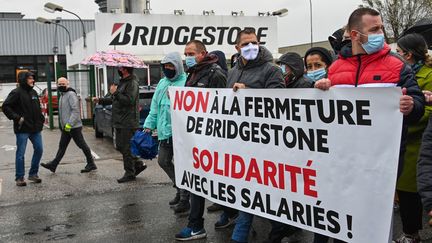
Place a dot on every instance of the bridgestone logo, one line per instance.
(167, 35)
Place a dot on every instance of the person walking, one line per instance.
(159, 117)
(370, 63)
(23, 107)
(125, 119)
(413, 49)
(70, 126)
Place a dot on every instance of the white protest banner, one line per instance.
(324, 161)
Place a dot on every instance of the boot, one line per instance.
(50, 166)
(89, 167)
(182, 207)
(175, 200)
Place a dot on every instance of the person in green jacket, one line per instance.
(413, 49)
(160, 118)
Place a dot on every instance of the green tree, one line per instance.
(399, 15)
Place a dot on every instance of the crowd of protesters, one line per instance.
(360, 58)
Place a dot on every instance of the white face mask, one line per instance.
(249, 52)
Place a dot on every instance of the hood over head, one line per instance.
(221, 59)
(175, 59)
(294, 61)
(22, 79)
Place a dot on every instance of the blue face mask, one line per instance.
(283, 68)
(317, 74)
(190, 61)
(374, 44)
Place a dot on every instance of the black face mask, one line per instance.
(338, 47)
(120, 73)
(169, 73)
(62, 88)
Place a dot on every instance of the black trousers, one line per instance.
(196, 220)
(76, 135)
(130, 162)
(411, 211)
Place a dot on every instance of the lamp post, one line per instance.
(310, 13)
(51, 7)
(56, 22)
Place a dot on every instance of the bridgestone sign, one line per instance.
(157, 35)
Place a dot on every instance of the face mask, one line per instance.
(283, 68)
(374, 44)
(62, 88)
(169, 73)
(120, 73)
(250, 52)
(317, 74)
(190, 61)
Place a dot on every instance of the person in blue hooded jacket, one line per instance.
(160, 117)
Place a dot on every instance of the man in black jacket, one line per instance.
(125, 119)
(23, 107)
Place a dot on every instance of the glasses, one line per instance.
(247, 43)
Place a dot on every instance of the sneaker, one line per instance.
(89, 167)
(405, 238)
(182, 207)
(35, 179)
(140, 169)
(21, 182)
(175, 200)
(50, 166)
(188, 234)
(225, 221)
(214, 207)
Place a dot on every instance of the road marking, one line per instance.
(8, 147)
(95, 155)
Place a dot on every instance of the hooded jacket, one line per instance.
(159, 116)
(206, 74)
(125, 102)
(295, 62)
(69, 109)
(24, 102)
(257, 73)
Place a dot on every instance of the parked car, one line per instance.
(43, 98)
(102, 120)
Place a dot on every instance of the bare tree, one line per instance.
(399, 15)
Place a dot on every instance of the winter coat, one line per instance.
(407, 180)
(380, 69)
(297, 79)
(257, 73)
(69, 109)
(160, 116)
(24, 102)
(206, 74)
(125, 103)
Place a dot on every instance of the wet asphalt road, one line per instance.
(72, 207)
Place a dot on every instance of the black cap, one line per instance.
(324, 53)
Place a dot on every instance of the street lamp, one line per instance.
(51, 7)
(310, 13)
(41, 20)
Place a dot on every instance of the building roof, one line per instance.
(26, 37)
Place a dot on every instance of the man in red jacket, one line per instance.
(368, 62)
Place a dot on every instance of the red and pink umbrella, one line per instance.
(114, 58)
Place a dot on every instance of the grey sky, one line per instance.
(328, 15)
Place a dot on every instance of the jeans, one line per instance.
(165, 161)
(196, 220)
(21, 142)
(76, 135)
(242, 227)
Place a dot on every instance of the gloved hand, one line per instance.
(67, 127)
